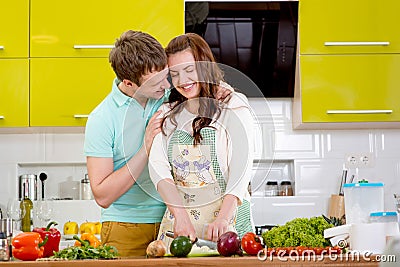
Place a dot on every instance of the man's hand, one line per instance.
(224, 90)
(152, 129)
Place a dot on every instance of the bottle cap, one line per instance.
(286, 183)
(272, 183)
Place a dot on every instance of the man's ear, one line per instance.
(129, 83)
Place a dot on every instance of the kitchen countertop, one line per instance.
(246, 261)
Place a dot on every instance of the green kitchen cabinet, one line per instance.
(65, 90)
(14, 64)
(14, 93)
(14, 30)
(349, 88)
(348, 27)
(70, 41)
(348, 64)
(54, 65)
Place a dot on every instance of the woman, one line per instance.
(201, 162)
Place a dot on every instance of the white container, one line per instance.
(361, 199)
(69, 190)
(368, 237)
(383, 217)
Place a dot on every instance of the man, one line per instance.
(118, 137)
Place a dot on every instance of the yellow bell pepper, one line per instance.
(87, 239)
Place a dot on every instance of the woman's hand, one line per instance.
(183, 226)
(217, 228)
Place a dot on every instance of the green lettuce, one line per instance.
(298, 232)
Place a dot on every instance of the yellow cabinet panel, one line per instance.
(14, 23)
(63, 89)
(347, 21)
(355, 83)
(56, 26)
(14, 92)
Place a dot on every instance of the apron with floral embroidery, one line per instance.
(199, 181)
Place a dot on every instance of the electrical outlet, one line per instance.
(359, 160)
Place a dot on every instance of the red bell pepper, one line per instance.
(28, 246)
(54, 237)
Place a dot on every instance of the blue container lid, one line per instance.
(383, 214)
(363, 185)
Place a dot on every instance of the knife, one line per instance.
(198, 241)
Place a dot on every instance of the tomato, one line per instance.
(251, 243)
(335, 250)
(318, 251)
(270, 251)
(300, 250)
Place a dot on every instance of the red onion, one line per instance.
(228, 244)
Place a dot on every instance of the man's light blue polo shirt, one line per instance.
(115, 129)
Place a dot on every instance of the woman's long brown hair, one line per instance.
(210, 76)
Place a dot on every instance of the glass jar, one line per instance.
(86, 191)
(271, 189)
(286, 189)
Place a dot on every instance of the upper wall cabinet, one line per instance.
(14, 92)
(70, 42)
(348, 65)
(14, 63)
(14, 30)
(342, 26)
(76, 28)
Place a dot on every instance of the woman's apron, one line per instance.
(199, 181)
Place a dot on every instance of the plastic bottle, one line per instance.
(26, 207)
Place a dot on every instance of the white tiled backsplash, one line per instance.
(312, 159)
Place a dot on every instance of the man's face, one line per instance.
(153, 84)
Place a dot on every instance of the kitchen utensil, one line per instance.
(352, 178)
(6, 232)
(29, 180)
(336, 206)
(198, 241)
(360, 199)
(343, 181)
(397, 202)
(42, 177)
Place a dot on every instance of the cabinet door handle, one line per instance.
(1, 117)
(293, 204)
(93, 46)
(80, 116)
(1, 47)
(357, 43)
(360, 111)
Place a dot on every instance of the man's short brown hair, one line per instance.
(136, 54)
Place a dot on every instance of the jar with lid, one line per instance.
(4, 248)
(271, 189)
(86, 191)
(286, 189)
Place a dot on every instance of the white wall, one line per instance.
(317, 157)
